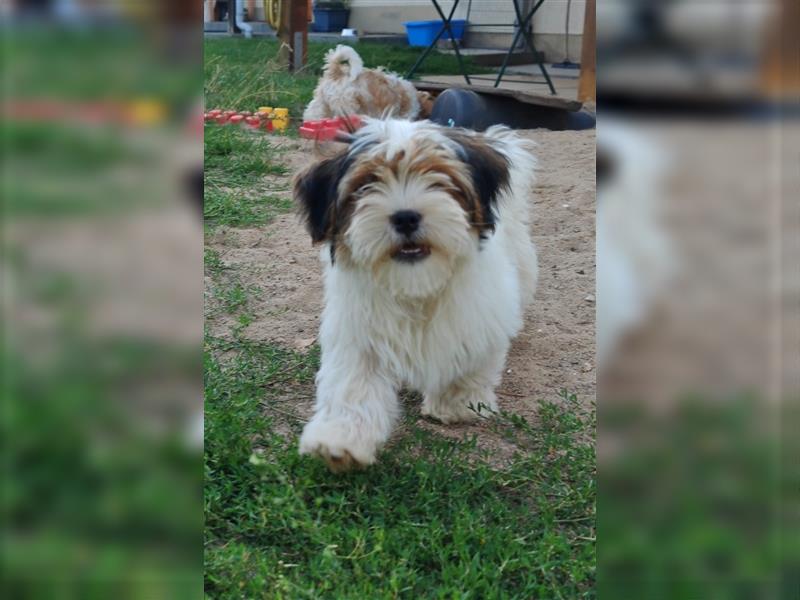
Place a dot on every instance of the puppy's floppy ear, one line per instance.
(489, 170)
(315, 191)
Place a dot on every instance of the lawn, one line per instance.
(436, 517)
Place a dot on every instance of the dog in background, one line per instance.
(348, 88)
(428, 266)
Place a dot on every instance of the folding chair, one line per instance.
(523, 21)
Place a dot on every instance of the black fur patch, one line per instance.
(490, 174)
(316, 192)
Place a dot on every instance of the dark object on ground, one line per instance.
(472, 110)
(221, 10)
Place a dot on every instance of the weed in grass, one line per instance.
(212, 261)
(234, 297)
(245, 319)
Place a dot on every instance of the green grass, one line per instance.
(432, 520)
(94, 504)
(239, 156)
(238, 188)
(697, 504)
(113, 62)
(238, 210)
(435, 518)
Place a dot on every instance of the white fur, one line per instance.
(635, 259)
(442, 326)
(349, 95)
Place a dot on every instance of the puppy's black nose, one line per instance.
(406, 221)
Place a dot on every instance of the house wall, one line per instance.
(388, 16)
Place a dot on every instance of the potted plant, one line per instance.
(331, 16)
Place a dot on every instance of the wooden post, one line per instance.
(780, 68)
(232, 28)
(299, 28)
(293, 34)
(588, 79)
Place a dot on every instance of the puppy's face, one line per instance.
(406, 203)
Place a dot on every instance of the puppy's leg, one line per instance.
(356, 410)
(470, 396)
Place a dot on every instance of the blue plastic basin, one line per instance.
(422, 33)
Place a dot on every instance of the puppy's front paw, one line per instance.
(339, 444)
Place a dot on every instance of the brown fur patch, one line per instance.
(425, 105)
(432, 160)
(403, 104)
(489, 170)
(383, 94)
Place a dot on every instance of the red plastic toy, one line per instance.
(329, 129)
(244, 117)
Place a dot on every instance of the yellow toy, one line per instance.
(280, 118)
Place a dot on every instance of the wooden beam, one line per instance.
(587, 84)
(525, 96)
(293, 34)
(299, 26)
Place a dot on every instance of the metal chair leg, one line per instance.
(522, 31)
(445, 27)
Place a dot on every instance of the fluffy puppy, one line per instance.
(428, 265)
(347, 88)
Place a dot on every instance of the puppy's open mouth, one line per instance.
(411, 252)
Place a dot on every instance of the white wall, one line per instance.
(388, 16)
(550, 18)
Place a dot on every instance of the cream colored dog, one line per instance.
(347, 88)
